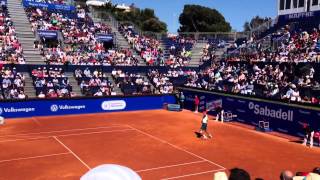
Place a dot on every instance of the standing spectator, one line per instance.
(181, 99)
(196, 103)
(309, 133)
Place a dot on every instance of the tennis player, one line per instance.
(204, 125)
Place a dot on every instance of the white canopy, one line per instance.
(110, 172)
(97, 2)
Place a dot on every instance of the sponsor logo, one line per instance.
(241, 111)
(282, 130)
(113, 105)
(269, 112)
(300, 15)
(304, 112)
(16, 110)
(254, 123)
(55, 107)
(240, 101)
(230, 99)
(240, 120)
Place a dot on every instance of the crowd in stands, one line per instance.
(94, 83)
(10, 50)
(150, 48)
(50, 1)
(284, 81)
(131, 83)
(241, 174)
(80, 45)
(180, 51)
(51, 83)
(288, 46)
(12, 84)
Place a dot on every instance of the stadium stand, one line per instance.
(11, 50)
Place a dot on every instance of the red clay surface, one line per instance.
(157, 144)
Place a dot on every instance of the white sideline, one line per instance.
(74, 154)
(48, 132)
(66, 135)
(177, 147)
(164, 167)
(34, 119)
(33, 157)
(193, 174)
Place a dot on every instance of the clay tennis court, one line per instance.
(157, 144)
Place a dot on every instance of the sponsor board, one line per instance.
(55, 107)
(282, 118)
(113, 105)
(16, 110)
(270, 112)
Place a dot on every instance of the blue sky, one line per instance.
(235, 11)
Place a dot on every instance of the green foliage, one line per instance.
(145, 19)
(196, 18)
(254, 23)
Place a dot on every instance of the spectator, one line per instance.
(239, 174)
(286, 175)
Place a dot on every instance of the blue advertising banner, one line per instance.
(282, 118)
(299, 17)
(82, 106)
(60, 7)
(48, 34)
(104, 37)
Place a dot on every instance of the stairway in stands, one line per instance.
(74, 83)
(29, 87)
(196, 54)
(116, 88)
(24, 32)
(120, 40)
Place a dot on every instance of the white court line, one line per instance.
(194, 174)
(33, 157)
(85, 164)
(98, 132)
(48, 132)
(78, 134)
(177, 147)
(34, 119)
(176, 165)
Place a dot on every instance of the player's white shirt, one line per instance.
(205, 119)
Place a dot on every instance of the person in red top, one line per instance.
(196, 104)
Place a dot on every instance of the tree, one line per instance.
(254, 23)
(196, 18)
(145, 19)
(154, 25)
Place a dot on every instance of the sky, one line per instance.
(236, 12)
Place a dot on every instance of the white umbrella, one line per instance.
(96, 3)
(110, 172)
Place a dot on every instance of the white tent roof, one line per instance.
(110, 172)
(97, 2)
